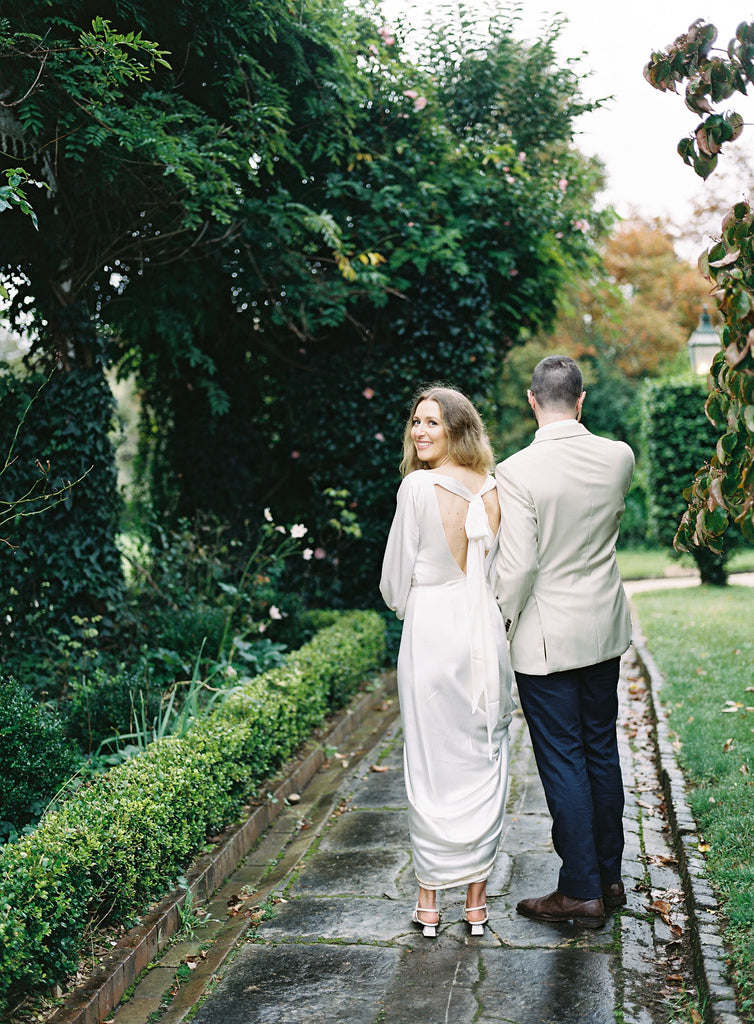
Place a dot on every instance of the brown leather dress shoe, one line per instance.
(614, 896)
(557, 907)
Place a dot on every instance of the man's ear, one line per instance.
(531, 399)
(579, 405)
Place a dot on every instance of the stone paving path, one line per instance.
(339, 946)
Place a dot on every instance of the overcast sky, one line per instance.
(637, 133)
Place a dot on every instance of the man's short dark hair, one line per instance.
(556, 381)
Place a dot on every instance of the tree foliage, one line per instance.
(723, 491)
(446, 225)
(283, 225)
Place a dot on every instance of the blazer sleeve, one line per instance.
(401, 550)
(517, 555)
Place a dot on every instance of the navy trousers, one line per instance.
(572, 722)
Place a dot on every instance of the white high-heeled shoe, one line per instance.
(477, 927)
(429, 929)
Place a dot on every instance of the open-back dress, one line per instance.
(454, 682)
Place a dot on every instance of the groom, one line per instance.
(567, 617)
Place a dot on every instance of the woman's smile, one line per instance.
(429, 434)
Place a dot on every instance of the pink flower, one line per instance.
(563, 184)
(320, 553)
(379, 436)
(581, 225)
(514, 272)
(387, 35)
(368, 393)
(411, 93)
(420, 102)
(295, 455)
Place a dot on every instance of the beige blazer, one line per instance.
(558, 584)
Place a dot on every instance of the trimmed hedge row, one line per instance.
(121, 841)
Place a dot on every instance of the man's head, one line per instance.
(556, 391)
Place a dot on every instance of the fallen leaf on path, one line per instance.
(377, 768)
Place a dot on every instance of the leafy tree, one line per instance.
(283, 226)
(148, 163)
(723, 491)
(447, 223)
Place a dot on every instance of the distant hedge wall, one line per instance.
(677, 438)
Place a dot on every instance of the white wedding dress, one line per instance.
(454, 681)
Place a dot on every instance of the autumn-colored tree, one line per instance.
(627, 324)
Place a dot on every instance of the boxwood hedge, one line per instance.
(120, 842)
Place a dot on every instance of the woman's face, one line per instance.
(428, 433)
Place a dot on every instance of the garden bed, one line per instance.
(119, 843)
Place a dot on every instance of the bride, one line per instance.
(454, 674)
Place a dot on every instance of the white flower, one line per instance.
(262, 627)
(298, 530)
(268, 515)
(306, 554)
(279, 529)
(275, 612)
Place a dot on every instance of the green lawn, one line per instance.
(638, 564)
(703, 642)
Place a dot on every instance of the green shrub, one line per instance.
(35, 757)
(101, 704)
(676, 439)
(120, 842)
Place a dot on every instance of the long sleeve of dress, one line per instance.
(401, 550)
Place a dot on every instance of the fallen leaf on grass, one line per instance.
(731, 706)
(377, 768)
(696, 1017)
(728, 745)
(744, 769)
(704, 847)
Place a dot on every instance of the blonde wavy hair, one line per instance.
(468, 444)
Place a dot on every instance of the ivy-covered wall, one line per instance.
(62, 562)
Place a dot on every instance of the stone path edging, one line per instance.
(709, 952)
(93, 1001)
